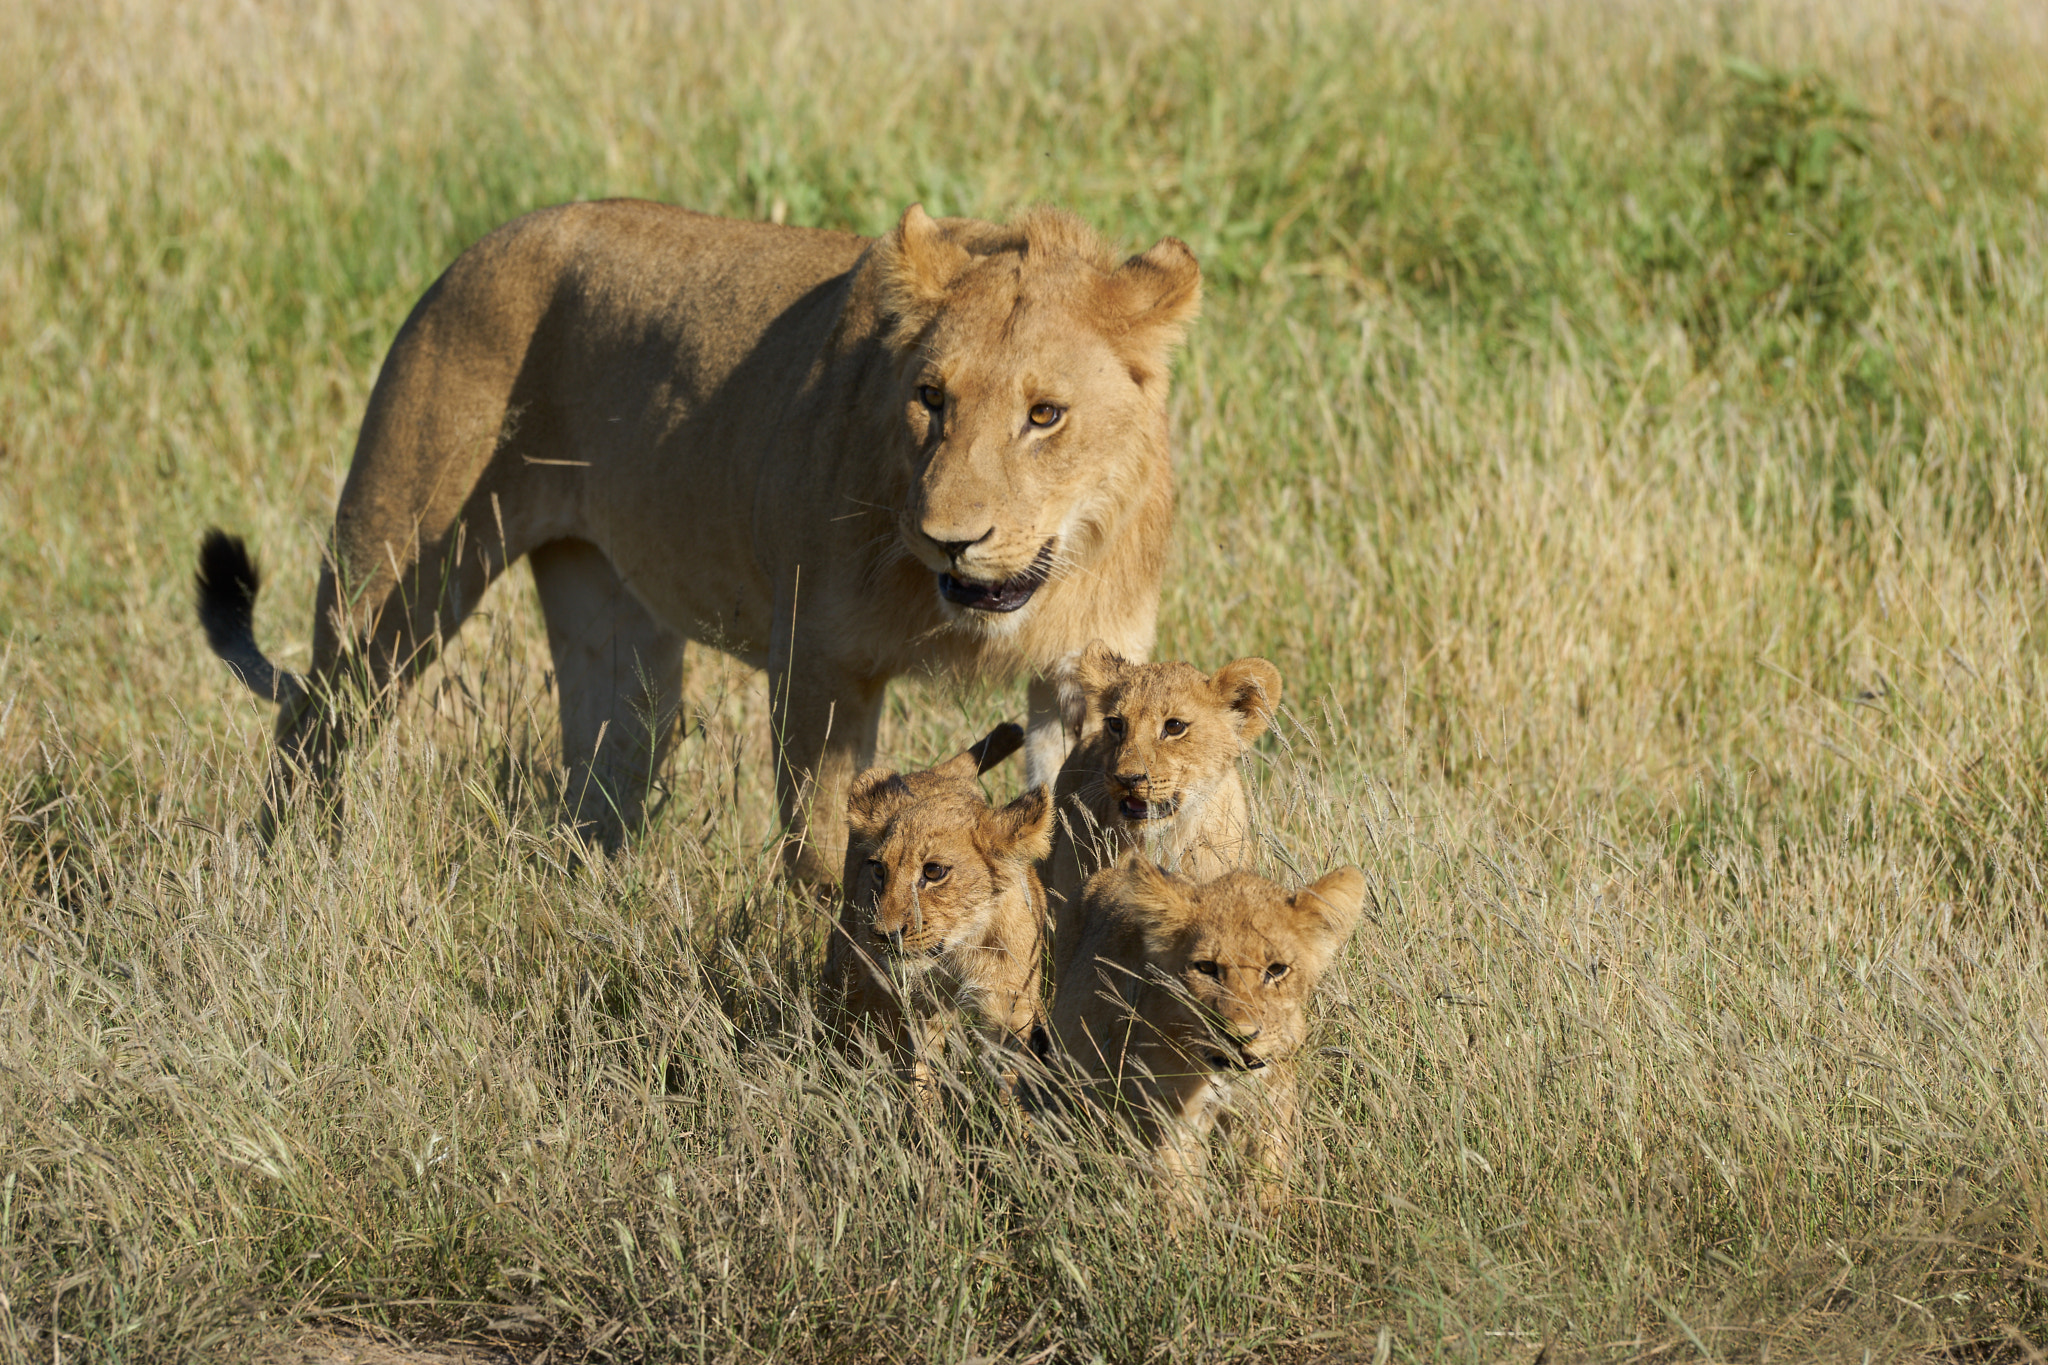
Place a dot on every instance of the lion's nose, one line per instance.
(955, 548)
(1247, 1035)
(894, 938)
(1132, 781)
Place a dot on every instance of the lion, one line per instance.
(1183, 1007)
(1156, 769)
(838, 459)
(942, 915)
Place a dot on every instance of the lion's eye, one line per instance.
(1175, 728)
(1208, 969)
(1046, 414)
(1275, 970)
(935, 873)
(879, 870)
(932, 396)
(1113, 726)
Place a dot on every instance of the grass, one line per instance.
(1624, 424)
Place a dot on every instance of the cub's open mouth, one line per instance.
(910, 956)
(1007, 595)
(1243, 1062)
(1134, 808)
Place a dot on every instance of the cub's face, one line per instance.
(1032, 374)
(1164, 735)
(926, 885)
(930, 870)
(1237, 958)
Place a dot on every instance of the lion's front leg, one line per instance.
(1048, 735)
(1184, 1115)
(825, 720)
(1268, 1129)
(619, 678)
(1180, 1158)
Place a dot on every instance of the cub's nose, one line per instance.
(894, 938)
(953, 549)
(1132, 781)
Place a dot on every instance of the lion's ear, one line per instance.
(1145, 895)
(1095, 670)
(1158, 292)
(1328, 910)
(1021, 831)
(1251, 689)
(872, 801)
(919, 263)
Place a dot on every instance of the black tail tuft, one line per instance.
(226, 587)
(227, 584)
(997, 745)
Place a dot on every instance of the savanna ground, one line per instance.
(1624, 424)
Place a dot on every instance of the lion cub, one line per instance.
(1156, 769)
(1184, 1002)
(942, 911)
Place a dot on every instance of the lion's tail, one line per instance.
(227, 583)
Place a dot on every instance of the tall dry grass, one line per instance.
(1623, 424)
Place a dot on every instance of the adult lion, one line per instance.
(838, 459)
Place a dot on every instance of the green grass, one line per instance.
(1625, 425)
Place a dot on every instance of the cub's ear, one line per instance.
(1328, 910)
(872, 802)
(919, 263)
(1021, 831)
(1157, 293)
(1095, 670)
(1144, 895)
(1251, 689)
(991, 749)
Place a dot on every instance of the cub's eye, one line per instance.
(1208, 969)
(1047, 414)
(935, 873)
(1275, 970)
(879, 871)
(1113, 726)
(1174, 728)
(932, 396)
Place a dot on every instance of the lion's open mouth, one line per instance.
(1243, 1061)
(1007, 595)
(1134, 809)
(910, 954)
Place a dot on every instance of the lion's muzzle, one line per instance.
(1137, 810)
(897, 946)
(1007, 595)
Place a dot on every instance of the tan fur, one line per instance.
(1165, 736)
(701, 429)
(1182, 1048)
(911, 953)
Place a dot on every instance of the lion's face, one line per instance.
(932, 865)
(1235, 959)
(1032, 374)
(1162, 737)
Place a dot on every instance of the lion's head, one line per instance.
(1031, 368)
(1231, 962)
(1164, 736)
(934, 873)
